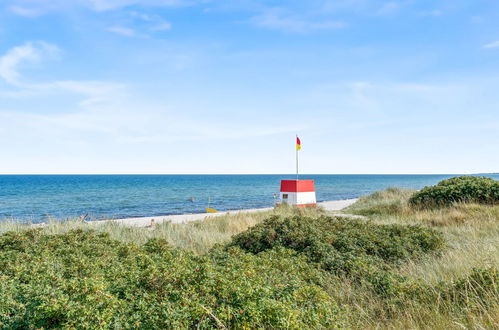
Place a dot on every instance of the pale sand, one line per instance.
(182, 218)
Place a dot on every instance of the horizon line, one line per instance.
(293, 174)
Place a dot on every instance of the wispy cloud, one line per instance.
(144, 25)
(29, 52)
(102, 112)
(103, 5)
(368, 7)
(31, 8)
(301, 17)
(124, 31)
(392, 7)
(37, 51)
(23, 11)
(165, 26)
(141, 16)
(93, 92)
(494, 44)
(273, 20)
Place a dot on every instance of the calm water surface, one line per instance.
(38, 197)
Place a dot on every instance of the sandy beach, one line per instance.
(182, 218)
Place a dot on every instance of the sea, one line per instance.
(39, 198)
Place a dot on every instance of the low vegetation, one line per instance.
(385, 202)
(401, 266)
(358, 250)
(197, 236)
(82, 279)
(462, 189)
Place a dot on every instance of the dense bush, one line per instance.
(391, 243)
(87, 280)
(356, 249)
(467, 189)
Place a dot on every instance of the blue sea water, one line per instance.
(37, 198)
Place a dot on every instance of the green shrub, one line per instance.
(463, 189)
(86, 280)
(291, 289)
(359, 250)
(391, 243)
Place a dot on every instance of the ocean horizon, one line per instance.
(39, 198)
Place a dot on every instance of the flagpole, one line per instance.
(296, 150)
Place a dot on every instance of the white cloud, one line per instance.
(153, 24)
(165, 26)
(23, 11)
(142, 16)
(124, 31)
(31, 8)
(10, 63)
(29, 52)
(338, 5)
(392, 7)
(102, 5)
(276, 21)
(145, 137)
(102, 112)
(369, 7)
(93, 92)
(494, 44)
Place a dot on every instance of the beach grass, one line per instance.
(195, 236)
(471, 232)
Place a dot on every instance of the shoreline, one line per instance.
(336, 205)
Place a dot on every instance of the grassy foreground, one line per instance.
(400, 267)
(197, 236)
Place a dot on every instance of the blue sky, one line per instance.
(216, 86)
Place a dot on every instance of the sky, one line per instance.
(223, 86)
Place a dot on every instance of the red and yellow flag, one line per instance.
(298, 143)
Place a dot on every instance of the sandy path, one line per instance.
(182, 218)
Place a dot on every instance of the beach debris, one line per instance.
(83, 218)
